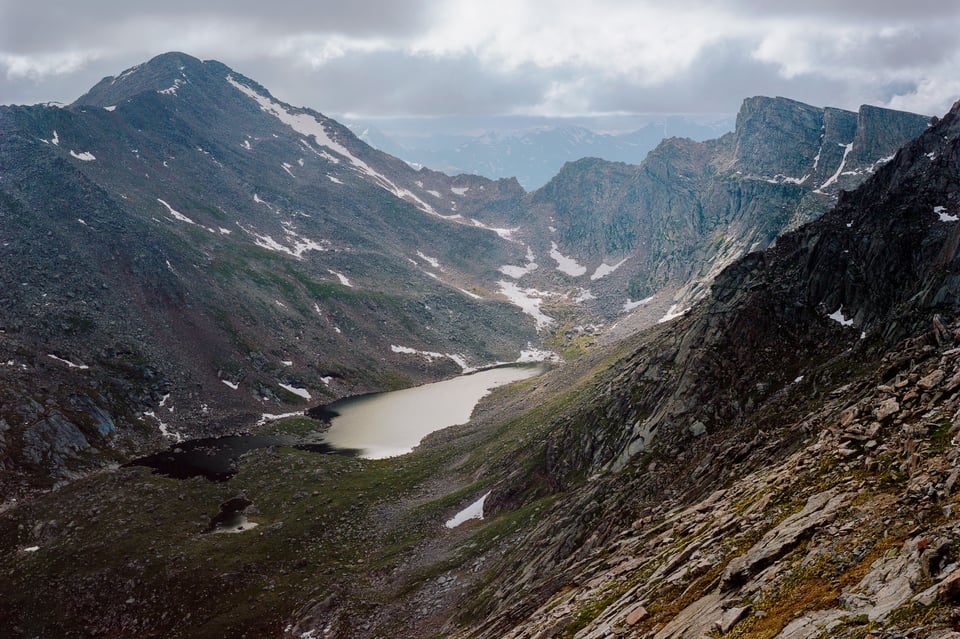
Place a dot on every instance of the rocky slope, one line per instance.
(781, 462)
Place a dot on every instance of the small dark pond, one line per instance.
(217, 458)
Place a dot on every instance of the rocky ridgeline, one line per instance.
(692, 208)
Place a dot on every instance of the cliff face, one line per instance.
(691, 208)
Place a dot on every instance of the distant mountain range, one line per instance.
(533, 156)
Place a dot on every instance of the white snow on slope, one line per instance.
(270, 417)
(334, 180)
(529, 301)
(432, 261)
(504, 233)
(176, 214)
(460, 190)
(533, 354)
(473, 511)
(230, 384)
(86, 156)
(566, 264)
(310, 126)
(836, 176)
(603, 270)
(300, 244)
(301, 392)
(837, 316)
(343, 278)
(70, 364)
(165, 430)
(172, 89)
(944, 216)
(430, 356)
(630, 305)
(672, 314)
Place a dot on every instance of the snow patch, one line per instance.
(343, 278)
(176, 214)
(300, 392)
(838, 316)
(473, 511)
(230, 384)
(672, 314)
(86, 156)
(460, 190)
(309, 126)
(603, 270)
(334, 180)
(504, 233)
(836, 176)
(532, 354)
(566, 264)
(165, 430)
(270, 417)
(246, 145)
(529, 301)
(55, 140)
(630, 305)
(944, 216)
(70, 364)
(468, 293)
(300, 245)
(430, 356)
(172, 89)
(432, 261)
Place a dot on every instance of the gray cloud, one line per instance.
(379, 58)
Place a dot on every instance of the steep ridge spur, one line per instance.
(780, 462)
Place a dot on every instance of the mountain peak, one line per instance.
(167, 74)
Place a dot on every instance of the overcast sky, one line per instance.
(556, 58)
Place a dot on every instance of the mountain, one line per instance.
(778, 461)
(131, 212)
(183, 250)
(532, 155)
(691, 208)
